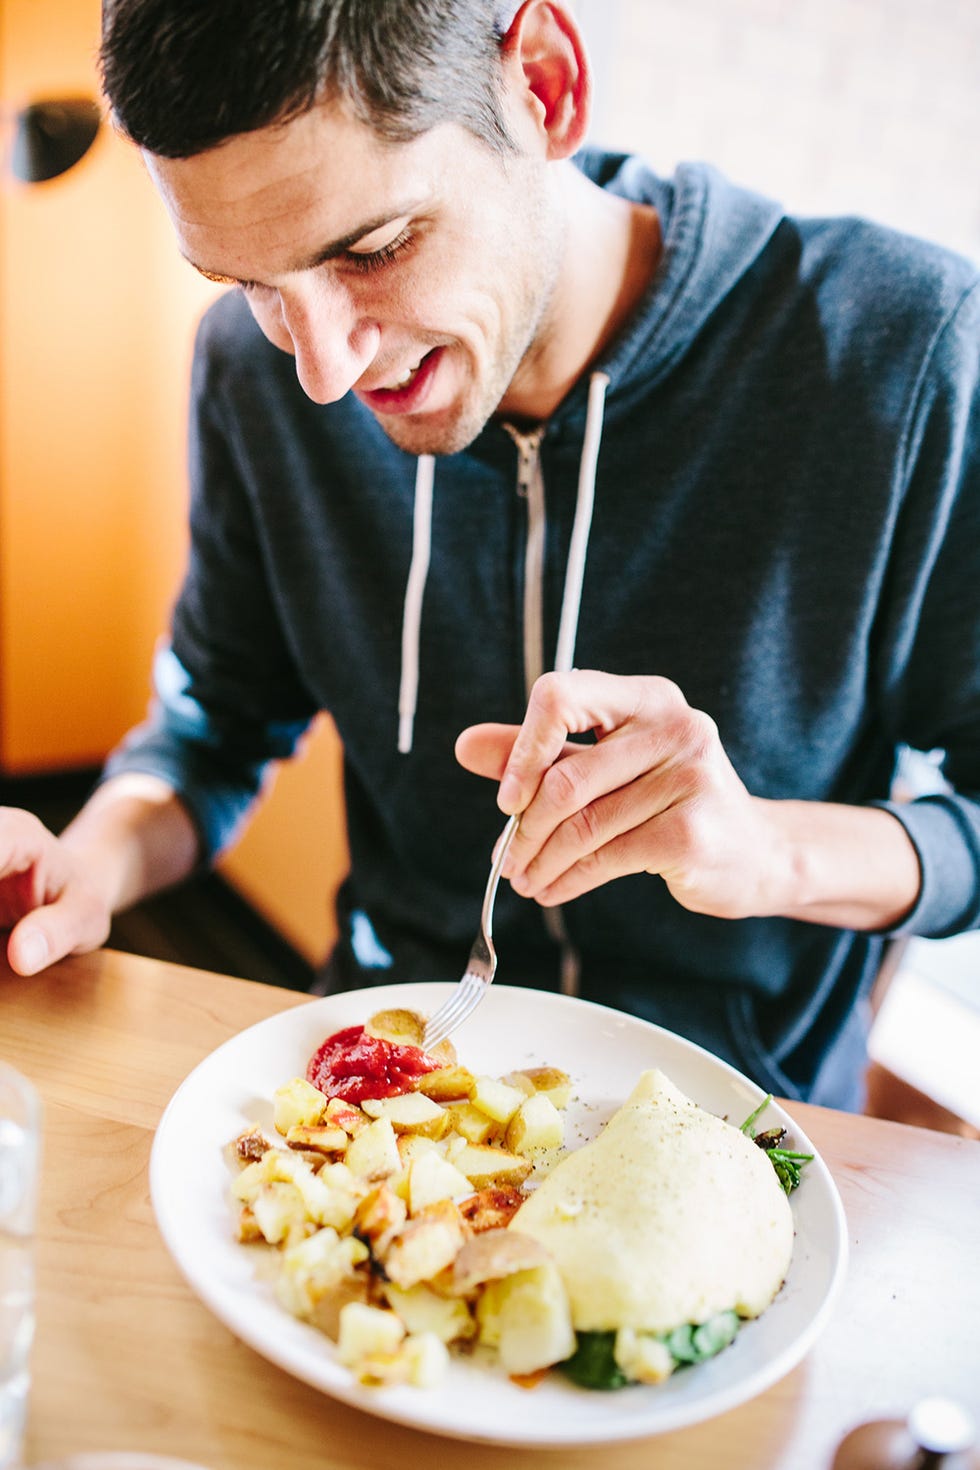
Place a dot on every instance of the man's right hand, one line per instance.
(47, 899)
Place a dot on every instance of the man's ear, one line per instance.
(544, 53)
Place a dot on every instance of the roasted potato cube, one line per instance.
(495, 1098)
(410, 1112)
(527, 1317)
(427, 1245)
(313, 1268)
(492, 1255)
(491, 1208)
(471, 1123)
(424, 1310)
(407, 1028)
(297, 1102)
(317, 1139)
(341, 1114)
(427, 1358)
(433, 1178)
(412, 1146)
(555, 1084)
(279, 1211)
(449, 1084)
(367, 1331)
(248, 1227)
(379, 1217)
(643, 1358)
(373, 1154)
(250, 1145)
(483, 1164)
(397, 1024)
(536, 1128)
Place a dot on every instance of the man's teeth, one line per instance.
(404, 381)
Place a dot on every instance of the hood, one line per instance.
(713, 234)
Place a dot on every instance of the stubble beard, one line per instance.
(473, 413)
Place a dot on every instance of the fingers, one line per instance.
(45, 899)
(561, 705)
(73, 924)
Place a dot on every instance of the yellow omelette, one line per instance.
(669, 1216)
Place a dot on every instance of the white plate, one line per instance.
(604, 1051)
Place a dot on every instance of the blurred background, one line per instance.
(866, 106)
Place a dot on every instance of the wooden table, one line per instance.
(127, 1358)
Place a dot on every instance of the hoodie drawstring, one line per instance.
(529, 448)
(571, 601)
(418, 570)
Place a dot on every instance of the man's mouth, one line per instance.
(403, 381)
(407, 392)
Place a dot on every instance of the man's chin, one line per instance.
(424, 434)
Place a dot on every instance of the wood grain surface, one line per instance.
(127, 1357)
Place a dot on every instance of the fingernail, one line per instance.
(33, 952)
(509, 795)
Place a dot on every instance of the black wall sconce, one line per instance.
(51, 136)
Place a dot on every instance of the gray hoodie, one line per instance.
(767, 492)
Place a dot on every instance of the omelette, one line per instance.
(669, 1216)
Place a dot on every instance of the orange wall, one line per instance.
(97, 312)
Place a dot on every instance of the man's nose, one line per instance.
(332, 340)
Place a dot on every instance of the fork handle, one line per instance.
(486, 918)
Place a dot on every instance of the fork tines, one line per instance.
(453, 1012)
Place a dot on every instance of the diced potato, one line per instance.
(555, 1084)
(536, 1128)
(493, 1207)
(527, 1317)
(495, 1098)
(449, 1084)
(643, 1358)
(317, 1139)
(427, 1358)
(327, 1308)
(427, 1245)
(379, 1217)
(341, 1114)
(407, 1028)
(483, 1164)
(297, 1102)
(412, 1145)
(373, 1154)
(410, 1112)
(279, 1211)
(249, 1146)
(471, 1123)
(365, 1331)
(329, 1196)
(397, 1024)
(248, 1227)
(433, 1178)
(494, 1254)
(315, 1267)
(424, 1310)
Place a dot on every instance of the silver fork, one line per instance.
(482, 962)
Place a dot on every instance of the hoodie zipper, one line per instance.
(530, 487)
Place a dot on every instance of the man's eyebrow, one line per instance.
(326, 252)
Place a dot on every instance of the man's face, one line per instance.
(416, 275)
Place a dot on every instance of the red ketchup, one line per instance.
(353, 1066)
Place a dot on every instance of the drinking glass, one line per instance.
(20, 1141)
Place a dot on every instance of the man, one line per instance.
(677, 491)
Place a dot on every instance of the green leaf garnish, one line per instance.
(787, 1163)
(593, 1364)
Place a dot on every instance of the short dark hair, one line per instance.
(182, 76)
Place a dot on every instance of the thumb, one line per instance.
(53, 931)
(485, 749)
